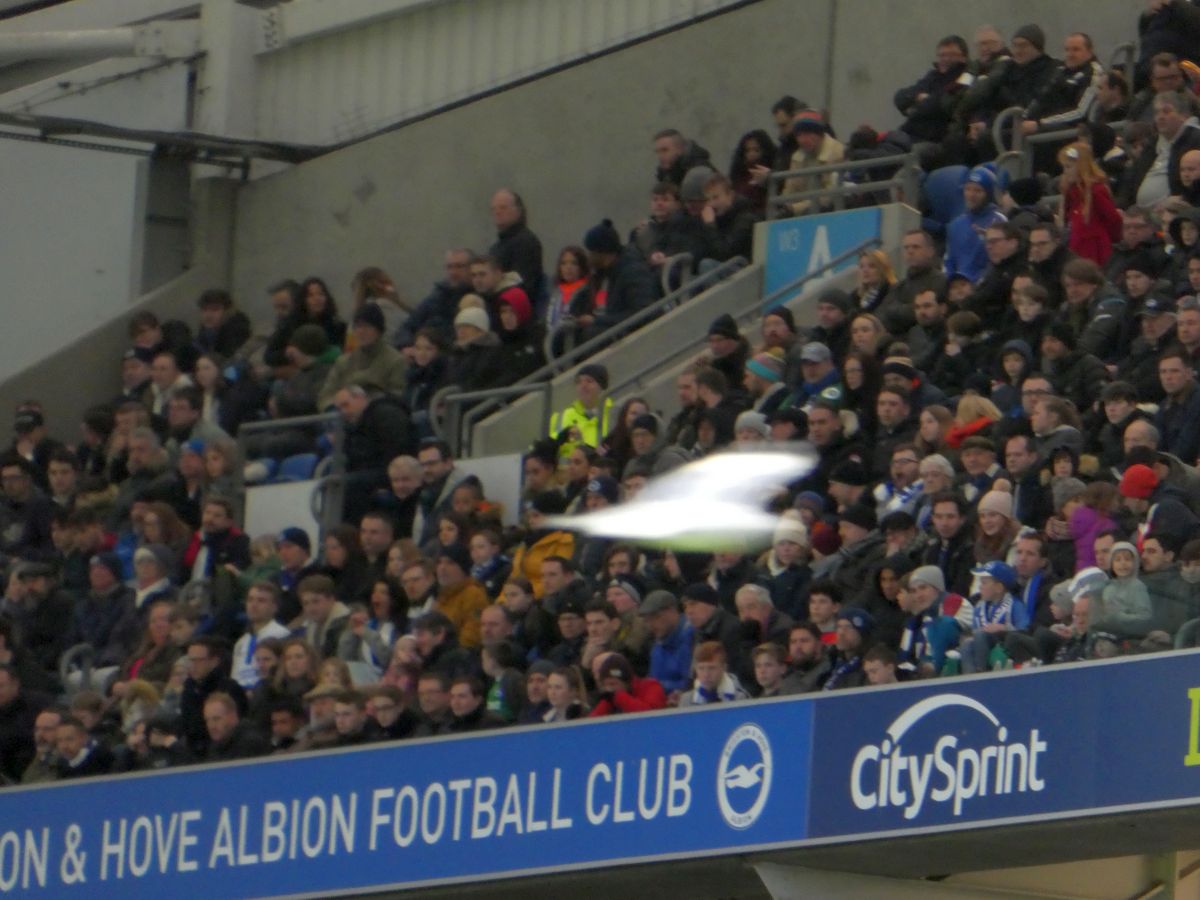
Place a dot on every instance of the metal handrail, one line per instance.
(1127, 50)
(840, 192)
(905, 180)
(329, 487)
(778, 296)
(764, 305)
(670, 264)
(620, 329)
(1014, 113)
(848, 165)
(1022, 147)
(455, 400)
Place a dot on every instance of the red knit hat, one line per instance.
(1138, 482)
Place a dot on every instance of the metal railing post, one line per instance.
(1014, 113)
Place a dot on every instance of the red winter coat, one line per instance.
(1092, 238)
(643, 695)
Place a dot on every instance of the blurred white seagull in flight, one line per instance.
(713, 504)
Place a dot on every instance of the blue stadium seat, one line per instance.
(943, 191)
(296, 468)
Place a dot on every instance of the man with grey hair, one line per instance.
(1140, 433)
(148, 465)
(404, 479)
(1155, 174)
(761, 621)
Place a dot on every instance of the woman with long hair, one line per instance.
(1088, 212)
(617, 444)
(373, 285)
(867, 335)
(862, 377)
(932, 426)
(567, 695)
(571, 274)
(344, 562)
(973, 415)
(162, 525)
(318, 307)
(753, 159)
(996, 528)
(875, 278)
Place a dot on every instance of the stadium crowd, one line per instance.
(1007, 438)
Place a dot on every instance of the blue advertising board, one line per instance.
(796, 247)
(437, 811)
(1034, 744)
(1058, 742)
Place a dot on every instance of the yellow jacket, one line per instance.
(591, 428)
(528, 559)
(462, 605)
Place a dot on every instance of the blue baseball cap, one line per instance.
(1001, 571)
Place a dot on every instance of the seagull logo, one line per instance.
(744, 776)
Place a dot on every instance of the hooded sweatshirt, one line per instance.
(1124, 608)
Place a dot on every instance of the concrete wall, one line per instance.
(577, 144)
(87, 369)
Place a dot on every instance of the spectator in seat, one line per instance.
(262, 606)
(223, 328)
(284, 297)
(990, 50)
(854, 628)
(810, 662)
(714, 683)
(922, 273)
(1092, 220)
(1067, 99)
(619, 690)
(1015, 81)
(997, 612)
(541, 541)
(935, 623)
(318, 307)
(753, 160)
(570, 274)
(669, 230)
(1154, 175)
(671, 652)
(354, 726)
(79, 754)
(929, 105)
(297, 393)
(1156, 319)
(1139, 239)
(517, 248)
(1077, 376)
(677, 155)
(1112, 99)
(207, 675)
(372, 365)
(1048, 256)
(1158, 72)
(1123, 607)
(783, 112)
(438, 309)
(586, 420)
(476, 360)
(229, 737)
(324, 616)
(1002, 245)
(378, 429)
(1189, 179)
(1178, 417)
(728, 221)
(460, 597)
(165, 379)
(966, 253)
(814, 147)
(621, 283)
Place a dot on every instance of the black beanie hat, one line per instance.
(1061, 331)
(602, 238)
(371, 314)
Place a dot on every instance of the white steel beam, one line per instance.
(302, 20)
